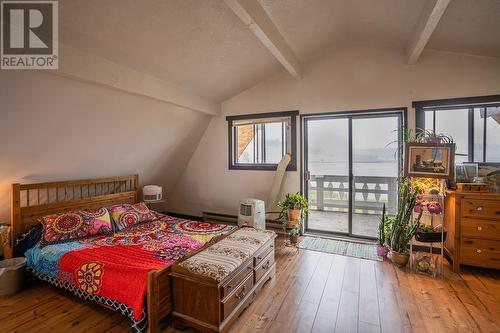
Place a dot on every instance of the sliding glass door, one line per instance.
(351, 165)
(375, 168)
(327, 148)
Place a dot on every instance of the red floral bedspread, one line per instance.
(116, 267)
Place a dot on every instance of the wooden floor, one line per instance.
(311, 292)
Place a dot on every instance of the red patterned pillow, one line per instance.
(127, 215)
(65, 227)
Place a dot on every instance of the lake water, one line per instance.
(384, 169)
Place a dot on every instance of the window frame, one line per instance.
(233, 165)
(469, 103)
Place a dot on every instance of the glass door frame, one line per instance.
(401, 113)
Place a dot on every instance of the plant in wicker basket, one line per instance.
(404, 226)
(294, 235)
(293, 207)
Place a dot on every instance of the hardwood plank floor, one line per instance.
(311, 292)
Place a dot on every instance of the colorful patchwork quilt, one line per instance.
(113, 269)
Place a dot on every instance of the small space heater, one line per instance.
(252, 213)
(152, 193)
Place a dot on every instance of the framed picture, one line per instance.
(430, 160)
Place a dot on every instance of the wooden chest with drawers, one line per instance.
(473, 224)
(212, 288)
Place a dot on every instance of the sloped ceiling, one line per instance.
(202, 46)
(54, 129)
(314, 25)
(471, 27)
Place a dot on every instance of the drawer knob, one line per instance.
(242, 293)
(479, 251)
(266, 266)
(479, 228)
(479, 208)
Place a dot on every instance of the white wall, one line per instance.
(348, 77)
(54, 128)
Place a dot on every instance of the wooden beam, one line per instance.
(84, 66)
(429, 20)
(254, 16)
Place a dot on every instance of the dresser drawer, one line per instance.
(264, 266)
(230, 303)
(476, 228)
(262, 253)
(229, 286)
(480, 252)
(480, 208)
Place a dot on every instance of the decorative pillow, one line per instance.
(127, 215)
(65, 227)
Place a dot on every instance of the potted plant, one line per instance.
(420, 136)
(404, 226)
(381, 248)
(429, 234)
(294, 235)
(293, 207)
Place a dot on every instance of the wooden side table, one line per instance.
(152, 202)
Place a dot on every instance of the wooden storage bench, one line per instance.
(212, 287)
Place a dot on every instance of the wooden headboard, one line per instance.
(29, 202)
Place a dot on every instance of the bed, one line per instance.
(128, 270)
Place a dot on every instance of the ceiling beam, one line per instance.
(254, 16)
(80, 65)
(431, 15)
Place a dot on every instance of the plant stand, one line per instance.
(286, 235)
(429, 265)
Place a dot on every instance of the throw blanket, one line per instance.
(113, 269)
(221, 259)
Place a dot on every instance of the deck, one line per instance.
(363, 224)
(329, 202)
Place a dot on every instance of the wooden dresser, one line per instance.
(213, 287)
(473, 224)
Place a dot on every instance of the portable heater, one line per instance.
(252, 213)
(152, 192)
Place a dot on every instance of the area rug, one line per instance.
(344, 248)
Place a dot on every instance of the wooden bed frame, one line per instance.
(29, 202)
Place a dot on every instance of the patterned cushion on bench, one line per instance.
(222, 258)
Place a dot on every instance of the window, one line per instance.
(258, 142)
(473, 123)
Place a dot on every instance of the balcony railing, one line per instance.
(331, 193)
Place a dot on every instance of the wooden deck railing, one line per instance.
(331, 192)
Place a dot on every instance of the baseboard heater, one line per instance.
(233, 219)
